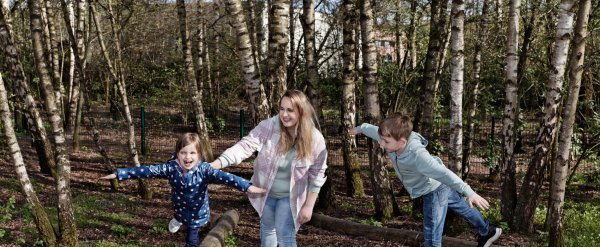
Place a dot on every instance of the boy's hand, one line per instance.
(353, 131)
(256, 190)
(478, 200)
(111, 176)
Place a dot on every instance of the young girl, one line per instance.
(189, 177)
(290, 164)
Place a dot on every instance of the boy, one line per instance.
(424, 175)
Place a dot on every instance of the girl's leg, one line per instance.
(191, 237)
(268, 237)
(435, 207)
(284, 223)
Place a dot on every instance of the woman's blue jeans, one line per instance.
(277, 224)
(435, 207)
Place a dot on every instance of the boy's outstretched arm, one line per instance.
(108, 177)
(478, 200)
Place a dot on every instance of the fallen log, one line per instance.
(222, 228)
(405, 237)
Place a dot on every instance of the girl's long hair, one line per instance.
(305, 126)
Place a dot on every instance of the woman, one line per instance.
(290, 165)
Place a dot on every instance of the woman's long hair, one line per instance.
(305, 126)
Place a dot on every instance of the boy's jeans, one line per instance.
(191, 237)
(277, 224)
(435, 207)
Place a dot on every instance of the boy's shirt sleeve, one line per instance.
(226, 178)
(433, 167)
(153, 171)
(370, 131)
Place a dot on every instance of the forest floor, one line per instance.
(122, 218)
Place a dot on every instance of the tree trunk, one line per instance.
(78, 78)
(561, 167)
(351, 165)
(424, 123)
(327, 193)
(474, 89)
(399, 236)
(456, 87)
(511, 107)
(66, 217)
(42, 221)
(191, 83)
(310, 54)
(530, 191)
(54, 55)
(276, 58)
(44, 150)
(143, 189)
(254, 89)
(412, 35)
(383, 196)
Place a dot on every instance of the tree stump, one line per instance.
(405, 237)
(223, 227)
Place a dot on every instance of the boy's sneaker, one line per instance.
(174, 225)
(487, 240)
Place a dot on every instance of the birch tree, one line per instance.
(508, 165)
(276, 56)
(530, 191)
(383, 196)
(561, 167)
(254, 89)
(310, 55)
(456, 87)
(42, 144)
(40, 216)
(437, 27)
(471, 105)
(353, 180)
(66, 218)
(191, 84)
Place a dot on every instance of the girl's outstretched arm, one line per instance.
(109, 177)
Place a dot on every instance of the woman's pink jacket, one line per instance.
(265, 138)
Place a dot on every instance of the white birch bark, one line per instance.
(276, 55)
(530, 191)
(511, 99)
(37, 209)
(456, 86)
(254, 88)
(561, 167)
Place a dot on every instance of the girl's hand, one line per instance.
(353, 131)
(305, 215)
(111, 176)
(256, 190)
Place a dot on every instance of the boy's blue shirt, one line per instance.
(417, 169)
(189, 190)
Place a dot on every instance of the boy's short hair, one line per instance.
(398, 125)
(190, 138)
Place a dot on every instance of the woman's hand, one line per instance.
(216, 164)
(111, 176)
(305, 214)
